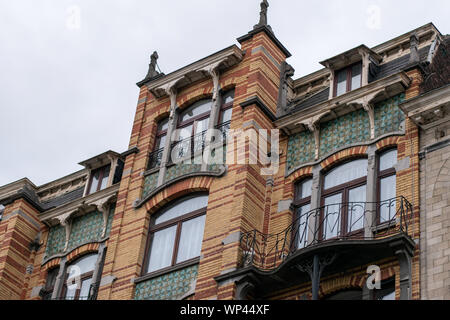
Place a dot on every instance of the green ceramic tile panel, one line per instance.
(85, 229)
(150, 183)
(110, 219)
(388, 115)
(351, 128)
(181, 169)
(171, 286)
(300, 149)
(56, 241)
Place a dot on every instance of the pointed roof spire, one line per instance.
(263, 16)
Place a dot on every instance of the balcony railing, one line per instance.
(155, 159)
(335, 222)
(187, 148)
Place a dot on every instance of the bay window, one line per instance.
(176, 233)
(343, 198)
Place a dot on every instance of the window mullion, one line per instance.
(177, 243)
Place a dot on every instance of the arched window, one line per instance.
(79, 278)
(387, 185)
(344, 184)
(302, 202)
(176, 233)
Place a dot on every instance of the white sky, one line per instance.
(68, 86)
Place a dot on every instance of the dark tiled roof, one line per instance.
(65, 198)
(317, 98)
(397, 65)
(377, 73)
(438, 73)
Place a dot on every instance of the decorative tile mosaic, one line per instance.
(150, 183)
(388, 116)
(87, 228)
(112, 210)
(351, 128)
(179, 170)
(171, 286)
(300, 149)
(56, 241)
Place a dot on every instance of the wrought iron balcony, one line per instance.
(190, 147)
(155, 159)
(359, 221)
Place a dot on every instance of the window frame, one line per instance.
(178, 222)
(225, 106)
(83, 277)
(298, 203)
(383, 175)
(343, 189)
(100, 180)
(348, 80)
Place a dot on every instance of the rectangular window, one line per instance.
(99, 179)
(348, 79)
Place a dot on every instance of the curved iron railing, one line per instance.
(334, 222)
(155, 159)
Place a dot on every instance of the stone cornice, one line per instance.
(429, 107)
(73, 206)
(196, 71)
(261, 105)
(387, 87)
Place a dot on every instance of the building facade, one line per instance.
(243, 182)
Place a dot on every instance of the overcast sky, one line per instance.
(68, 69)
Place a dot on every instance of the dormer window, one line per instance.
(348, 79)
(99, 179)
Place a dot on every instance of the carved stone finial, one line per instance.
(414, 42)
(152, 66)
(263, 16)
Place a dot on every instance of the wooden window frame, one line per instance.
(100, 179)
(348, 69)
(380, 176)
(83, 277)
(298, 203)
(344, 190)
(225, 106)
(159, 134)
(178, 222)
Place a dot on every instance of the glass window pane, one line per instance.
(388, 159)
(387, 198)
(182, 207)
(161, 250)
(356, 76)
(341, 82)
(94, 183)
(306, 189)
(332, 216)
(198, 108)
(85, 286)
(105, 177)
(201, 126)
(345, 173)
(302, 237)
(85, 265)
(226, 115)
(71, 291)
(161, 143)
(163, 125)
(191, 239)
(228, 97)
(356, 207)
(389, 296)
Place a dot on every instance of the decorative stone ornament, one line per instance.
(152, 66)
(263, 16)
